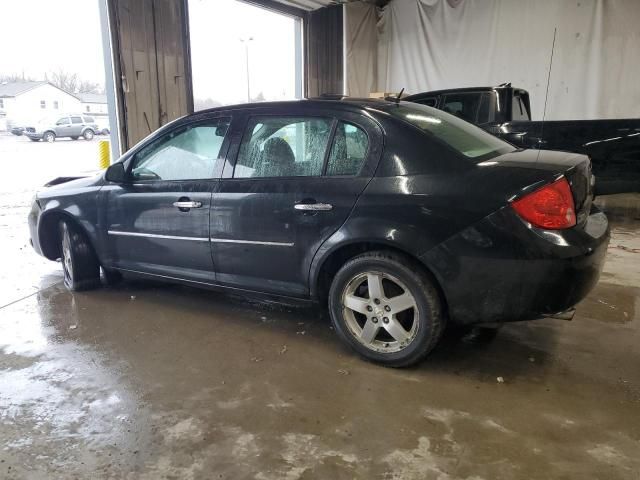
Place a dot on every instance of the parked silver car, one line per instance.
(72, 126)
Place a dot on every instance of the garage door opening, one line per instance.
(243, 53)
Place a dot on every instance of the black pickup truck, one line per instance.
(505, 111)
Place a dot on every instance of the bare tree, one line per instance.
(14, 77)
(72, 83)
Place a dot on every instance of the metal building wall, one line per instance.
(151, 60)
(325, 72)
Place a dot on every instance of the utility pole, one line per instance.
(246, 41)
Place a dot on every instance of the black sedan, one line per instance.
(398, 216)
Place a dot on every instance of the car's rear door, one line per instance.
(76, 126)
(158, 221)
(289, 184)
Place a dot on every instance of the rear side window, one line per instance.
(429, 101)
(76, 120)
(283, 147)
(474, 107)
(349, 150)
(465, 138)
(190, 153)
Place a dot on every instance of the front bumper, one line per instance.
(34, 135)
(32, 220)
(502, 269)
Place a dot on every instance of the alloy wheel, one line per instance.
(67, 262)
(380, 312)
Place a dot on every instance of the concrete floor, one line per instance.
(163, 382)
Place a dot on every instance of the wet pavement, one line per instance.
(150, 381)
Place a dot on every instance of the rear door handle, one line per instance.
(313, 207)
(187, 204)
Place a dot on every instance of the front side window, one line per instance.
(63, 121)
(348, 151)
(283, 147)
(465, 138)
(88, 120)
(76, 120)
(189, 153)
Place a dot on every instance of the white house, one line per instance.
(25, 102)
(93, 103)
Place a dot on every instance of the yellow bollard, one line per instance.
(104, 154)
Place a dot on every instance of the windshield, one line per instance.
(464, 137)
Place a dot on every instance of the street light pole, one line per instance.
(246, 56)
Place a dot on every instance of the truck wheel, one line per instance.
(79, 261)
(88, 134)
(49, 137)
(386, 309)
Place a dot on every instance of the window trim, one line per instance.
(222, 155)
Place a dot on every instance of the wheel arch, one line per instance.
(332, 260)
(49, 234)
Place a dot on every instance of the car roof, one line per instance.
(323, 102)
(433, 93)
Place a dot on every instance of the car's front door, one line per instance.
(291, 185)
(63, 127)
(158, 221)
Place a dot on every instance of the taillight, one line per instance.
(550, 207)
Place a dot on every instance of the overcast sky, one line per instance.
(38, 36)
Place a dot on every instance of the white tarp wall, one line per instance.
(436, 44)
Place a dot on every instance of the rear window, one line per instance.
(471, 141)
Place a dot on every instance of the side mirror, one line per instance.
(115, 173)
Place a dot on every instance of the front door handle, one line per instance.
(187, 204)
(313, 207)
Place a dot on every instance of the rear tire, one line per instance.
(79, 262)
(386, 309)
(88, 134)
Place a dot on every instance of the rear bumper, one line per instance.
(504, 270)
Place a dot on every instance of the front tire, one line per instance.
(74, 138)
(79, 262)
(34, 139)
(386, 309)
(49, 137)
(88, 134)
